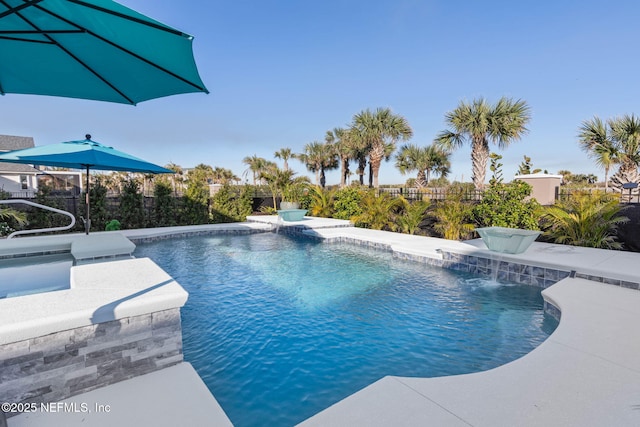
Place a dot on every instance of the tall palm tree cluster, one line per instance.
(372, 136)
(369, 139)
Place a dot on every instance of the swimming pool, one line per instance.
(36, 274)
(280, 328)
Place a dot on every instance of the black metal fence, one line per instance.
(626, 196)
(436, 193)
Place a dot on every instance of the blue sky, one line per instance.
(282, 73)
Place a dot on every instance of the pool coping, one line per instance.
(583, 374)
(99, 292)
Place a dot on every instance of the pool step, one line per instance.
(101, 245)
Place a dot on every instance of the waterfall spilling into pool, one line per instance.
(281, 327)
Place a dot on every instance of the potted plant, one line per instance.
(292, 192)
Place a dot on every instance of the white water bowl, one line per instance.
(507, 240)
(292, 214)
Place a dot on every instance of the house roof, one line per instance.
(537, 175)
(10, 143)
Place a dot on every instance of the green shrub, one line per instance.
(379, 212)
(504, 205)
(196, 202)
(5, 229)
(322, 202)
(412, 216)
(226, 206)
(40, 218)
(132, 212)
(165, 212)
(453, 216)
(98, 206)
(348, 202)
(584, 219)
(112, 225)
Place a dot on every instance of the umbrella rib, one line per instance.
(109, 42)
(130, 18)
(6, 35)
(55, 42)
(12, 10)
(21, 39)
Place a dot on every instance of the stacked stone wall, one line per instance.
(62, 364)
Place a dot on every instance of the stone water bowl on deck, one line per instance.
(292, 214)
(507, 240)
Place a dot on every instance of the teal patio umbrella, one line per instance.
(87, 155)
(92, 49)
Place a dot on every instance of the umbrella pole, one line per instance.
(87, 223)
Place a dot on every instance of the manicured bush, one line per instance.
(196, 203)
(504, 205)
(112, 225)
(227, 206)
(165, 212)
(348, 202)
(98, 205)
(132, 214)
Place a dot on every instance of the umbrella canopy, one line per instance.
(86, 154)
(82, 155)
(92, 49)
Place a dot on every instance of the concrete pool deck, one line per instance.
(584, 374)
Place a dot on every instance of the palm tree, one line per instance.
(616, 142)
(256, 166)
(177, 179)
(361, 151)
(202, 172)
(625, 131)
(285, 154)
(380, 130)
(318, 158)
(425, 160)
(345, 147)
(481, 123)
(595, 138)
(223, 175)
(276, 180)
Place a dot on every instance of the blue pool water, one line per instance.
(280, 328)
(32, 275)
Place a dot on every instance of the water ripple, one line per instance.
(281, 328)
